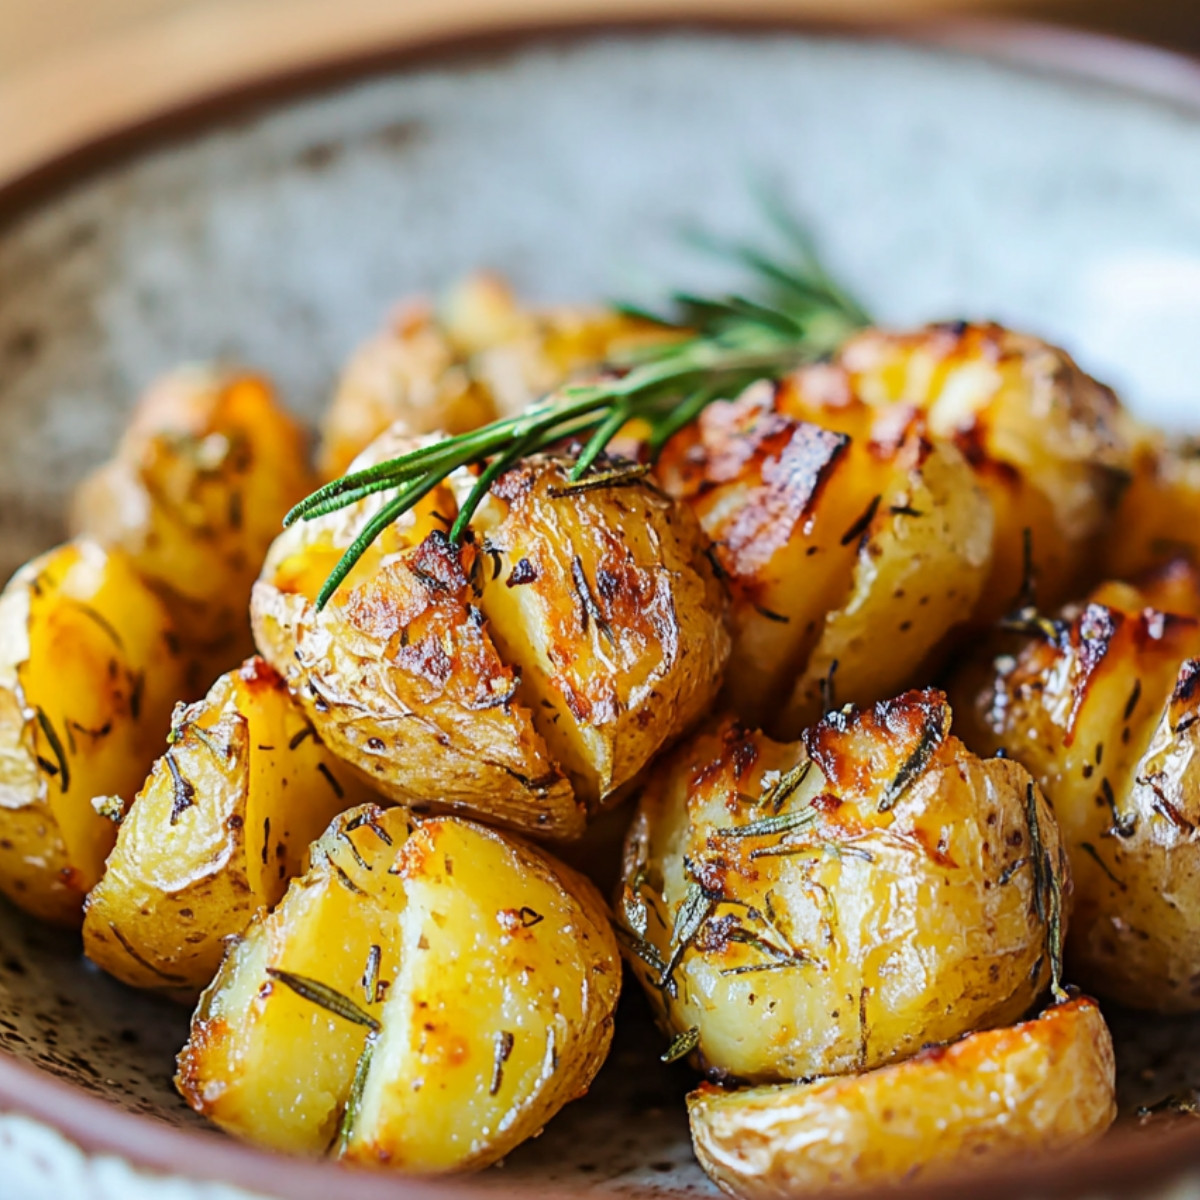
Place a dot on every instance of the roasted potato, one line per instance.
(428, 996)
(196, 493)
(1159, 516)
(849, 560)
(1041, 1087)
(835, 904)
(1051, 447)
(1102, 706)
(605, 601)
(523, 677)
(89, 670)
(222, 824)
(481, 356)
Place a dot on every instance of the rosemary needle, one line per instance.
(722, 345)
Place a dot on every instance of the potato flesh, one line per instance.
(266, 1064)
(486, 1037)
(1051, 446)
(605, 603)
(224, 821)
(1159, 515)
(196, 493)
(775, 498)
(479, 937)
(1101, 717)
(1044, 1086)
(88, 674)
(920, 571)
(854, 939)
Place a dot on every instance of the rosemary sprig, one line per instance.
(722, 345)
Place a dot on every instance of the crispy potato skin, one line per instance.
(89, 669)
(1041, 1087)
(607, 603)
(1103, 713)
(837, 549)
(1051, 447)
(499, 976)
(224, 820)
(399, 673)
(195, 493)
(851, 933)
(481, 356)
(442, 683)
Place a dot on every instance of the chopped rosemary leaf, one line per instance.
(782, 790)
(354, 1100)
(47, 728)
(325, 997)
(683, 1045)
(721, 346)
(644, 950)
(696, 908)
(932, 735)
(767, 826)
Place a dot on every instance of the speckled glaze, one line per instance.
(939, 183)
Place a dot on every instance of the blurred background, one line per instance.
(71, 70)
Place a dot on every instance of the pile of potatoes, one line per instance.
(339, 826)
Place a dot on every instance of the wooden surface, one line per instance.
(71, 70)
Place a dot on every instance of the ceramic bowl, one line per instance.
(1052, 183)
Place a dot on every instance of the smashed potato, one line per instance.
(425, 998)
(523, 677)
(479, 357)
(849, 560)
(1041, 1087)
(196, 493)
(1102, 705)
(89, 670)
(833, 905)
(1051, 447)
(223, 822)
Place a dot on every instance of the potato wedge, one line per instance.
(1051, 447)
(849, 560)
(89, 670)
(196, 493)
(1100, 705)
(517, 681)
(833, 905)
(224, 821)
(481, 978)
(1044, 1086)
(479, 357)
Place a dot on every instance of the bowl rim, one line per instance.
(1126, 1158)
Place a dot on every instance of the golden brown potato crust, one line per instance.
(1101, 706)
(523, 676)
(833, 905)
(1050, 446)
(480, 356)
(195, 493)
(224, 820)
(89, 669)
(1041, 1087)
(849, 558)
(484, 975)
